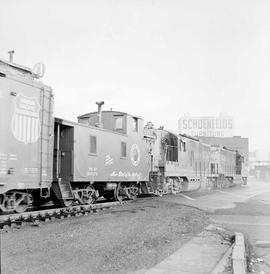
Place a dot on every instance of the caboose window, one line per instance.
(135, 124)
(119, 122)
(93, 144)
(123, 149)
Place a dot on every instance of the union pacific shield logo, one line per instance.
(25, 124)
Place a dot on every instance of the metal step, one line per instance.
(65, 189)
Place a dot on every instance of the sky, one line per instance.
(156, 59)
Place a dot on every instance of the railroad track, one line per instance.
(46, 215)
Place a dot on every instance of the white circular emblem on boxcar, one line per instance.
(135, 155)
(25, 123)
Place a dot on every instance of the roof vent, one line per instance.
(99, 123)
(11, 52)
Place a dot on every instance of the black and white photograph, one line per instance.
(135, 136)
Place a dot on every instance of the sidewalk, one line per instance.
(256, 230)
(200, 255)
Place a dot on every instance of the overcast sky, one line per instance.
(156, 59)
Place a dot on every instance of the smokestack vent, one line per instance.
(11, 52)
(99, 123)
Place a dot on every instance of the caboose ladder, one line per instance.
(46, 142)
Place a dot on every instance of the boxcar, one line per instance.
(26, 128)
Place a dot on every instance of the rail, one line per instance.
(46, 215)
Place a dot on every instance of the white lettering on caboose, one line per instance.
(126, 174)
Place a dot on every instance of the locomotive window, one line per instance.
(213, 169)
(119, 122)
(93, 144)
(135, 124)
(123, 149)
(191, 158)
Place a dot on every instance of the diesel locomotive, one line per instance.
(185, 163)
(106, 153)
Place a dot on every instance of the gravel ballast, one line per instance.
(129, 238)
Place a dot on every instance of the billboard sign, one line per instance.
(207, 126)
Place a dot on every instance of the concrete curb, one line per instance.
(239, 254)
(207, 252)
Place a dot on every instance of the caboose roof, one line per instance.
(75, 124)
(87, 115)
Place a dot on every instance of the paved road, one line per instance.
(245, 209)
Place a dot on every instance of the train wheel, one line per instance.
(86, 195)
(21, 208)
(89, 195)
(118, 193)
(67, 203)
(133, 197)
(133, 192)
(15, 201)
(108, 195)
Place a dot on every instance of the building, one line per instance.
(207, 126)
(260, 169)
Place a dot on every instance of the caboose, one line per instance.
(101, 155)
